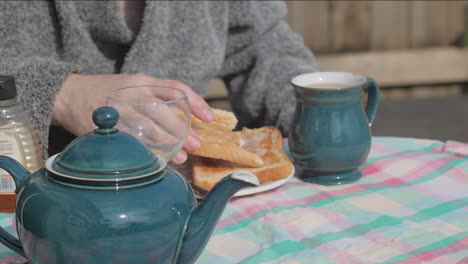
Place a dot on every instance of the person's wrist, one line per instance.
(62, 100)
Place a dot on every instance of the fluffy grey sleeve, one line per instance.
(38, 81)
(263, 54)
(27, 45)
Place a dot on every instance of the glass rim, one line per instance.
(109, 94)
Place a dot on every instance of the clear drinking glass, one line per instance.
(158, 116)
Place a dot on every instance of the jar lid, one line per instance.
(105, 154)
(7, 88)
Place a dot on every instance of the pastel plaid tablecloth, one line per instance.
(411, 206)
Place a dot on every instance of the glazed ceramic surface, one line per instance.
(330, 133)
(79, 209)
(61, 224)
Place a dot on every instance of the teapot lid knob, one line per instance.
(105, 118)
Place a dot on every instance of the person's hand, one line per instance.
(158, 116)
(80, 95)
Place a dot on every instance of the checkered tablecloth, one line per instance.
(411, 206)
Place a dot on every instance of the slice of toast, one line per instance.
(222, 118)
(217, 140)
(266, 142)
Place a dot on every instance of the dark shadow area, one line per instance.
(441, 118)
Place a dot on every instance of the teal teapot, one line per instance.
(107, 199)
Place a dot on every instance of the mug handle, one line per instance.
(11, 242)
(372, 99)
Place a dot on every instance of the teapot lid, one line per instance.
(105, 154)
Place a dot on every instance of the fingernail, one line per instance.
(208, 114)
(193, 143)
(180, 158)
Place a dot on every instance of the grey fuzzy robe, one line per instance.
(245, 43)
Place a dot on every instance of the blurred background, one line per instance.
(416, 50)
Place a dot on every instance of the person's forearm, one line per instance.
(38, 81)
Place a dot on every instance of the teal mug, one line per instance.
(330, 136)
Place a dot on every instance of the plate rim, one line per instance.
(265, 187)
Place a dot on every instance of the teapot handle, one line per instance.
(11, 242)
(372, 99)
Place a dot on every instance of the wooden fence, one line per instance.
(343, 26)
(401, 44)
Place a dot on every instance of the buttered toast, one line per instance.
(217, 140)
(265, 142)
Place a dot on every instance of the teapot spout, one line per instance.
(15, 169)
(204, 218)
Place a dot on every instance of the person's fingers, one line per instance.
(145, 129)
(152, 134)
(198, 106)
(137, 105)
(170, 118)
(192, 143)
(180, 157)
(167, 117)
(157, 117)
(194, 134)
(171, 124)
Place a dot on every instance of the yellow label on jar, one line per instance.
(9, 146)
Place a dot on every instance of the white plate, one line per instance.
(264, 187)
